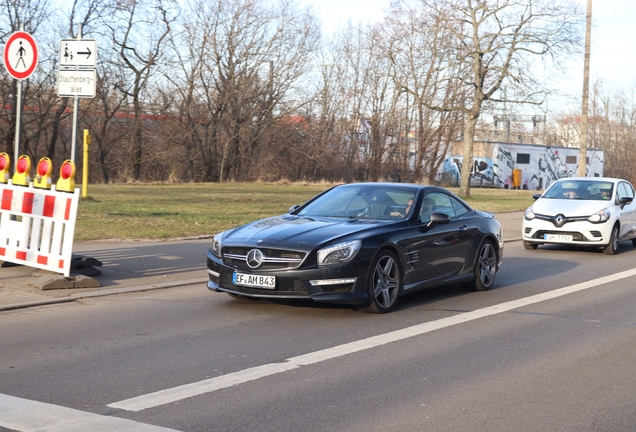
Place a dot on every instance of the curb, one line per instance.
(103, 293)
(124, 290)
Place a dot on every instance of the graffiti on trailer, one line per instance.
(539, 166)
(481, 172)
(554, 166)
(504, 166)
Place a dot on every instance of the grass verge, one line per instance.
(159, 211)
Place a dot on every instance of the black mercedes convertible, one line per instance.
(363, 244)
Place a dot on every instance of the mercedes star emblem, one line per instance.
(254, 258)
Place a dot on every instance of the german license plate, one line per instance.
(254, 281)
(557, 237)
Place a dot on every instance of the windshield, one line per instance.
(595, 190)
(362, 201)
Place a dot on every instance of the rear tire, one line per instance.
(530, 246)
(612, 247)
(384, 283)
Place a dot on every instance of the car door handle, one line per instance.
(463, 229)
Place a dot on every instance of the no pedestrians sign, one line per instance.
(20, 55)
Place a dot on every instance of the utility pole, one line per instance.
(586, 92)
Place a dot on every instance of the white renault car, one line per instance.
(584, 211)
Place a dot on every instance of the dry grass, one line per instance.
(168, 211)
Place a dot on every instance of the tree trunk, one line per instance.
(469, 139)
(55, 128)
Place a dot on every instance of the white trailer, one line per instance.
(523, 166)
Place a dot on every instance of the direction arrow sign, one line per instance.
(80, 83)
(78, 53)
(20, 55)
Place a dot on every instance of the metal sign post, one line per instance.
(74, 134)
(76, 77)
(18, 120)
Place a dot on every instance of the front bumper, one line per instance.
(336, 284)
(583, 233)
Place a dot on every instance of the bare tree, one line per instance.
(31, 16)
(138, 30)
(491, 44)
(240, 73)
(418, 65)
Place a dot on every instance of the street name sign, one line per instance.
(76, 83)
(20, 55)
(78, 53)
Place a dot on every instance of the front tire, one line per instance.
(384, 283)
(485, 268)
(529, 246)
(612, 247)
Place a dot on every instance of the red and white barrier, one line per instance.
(37, 227)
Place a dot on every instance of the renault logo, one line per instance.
(559, 220)
(254, 258)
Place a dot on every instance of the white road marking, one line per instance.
(207, 386)
(30, 416)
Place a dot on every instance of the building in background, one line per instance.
(519, 166)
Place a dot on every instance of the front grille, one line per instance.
(576, 236)
(273, 259)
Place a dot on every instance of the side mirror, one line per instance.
(536, 196)
(293, 208)
(440, 218)
(625, 201)
(436, 218)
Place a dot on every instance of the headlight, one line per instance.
(338, 254)
(600, 216)
(529, 214)
(217, 245)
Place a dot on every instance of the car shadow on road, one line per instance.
(516, 271)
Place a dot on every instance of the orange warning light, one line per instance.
(43, 175)
(22, 175)
(66, 182)
(5, 164)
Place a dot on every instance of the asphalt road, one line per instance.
(549, 349)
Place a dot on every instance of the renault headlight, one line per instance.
(529, 214)
(339, 253)
(600, 216)
(217, 245)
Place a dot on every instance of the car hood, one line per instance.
(567, 207)
(295, 231)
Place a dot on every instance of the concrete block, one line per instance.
(53, 281)
(84, 281)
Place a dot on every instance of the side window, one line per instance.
(436, 202)
(460, 208)
(625, 190)
(621, 192)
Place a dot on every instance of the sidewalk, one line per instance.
(129, 266)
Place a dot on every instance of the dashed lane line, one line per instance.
(25, 415)
(210, 385)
